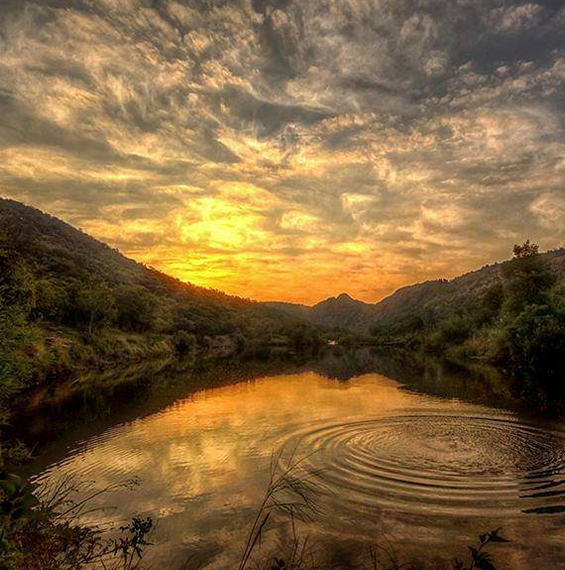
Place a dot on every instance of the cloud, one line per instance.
(515, 19)
(290, 149)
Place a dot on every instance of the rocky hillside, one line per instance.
(435, 297)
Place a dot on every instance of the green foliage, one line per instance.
(454, 329)
(17, 503)
(69, 303)
(94, 306)
(527, 279)
(531, 331)
(43, 533)
(184, 342)
(517, 322)
(136, 308)
(52, 303)
(15, 453)
(491, 302)
(15, 366)
(240, 343)
(303, 336)
(535, 342)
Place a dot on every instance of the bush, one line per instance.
(184, 342)
(452, 330)
(240, 343)
(42, 532)
(94, 306)
(536, 342)
(136, 309)
(15, 366)
(52, 301)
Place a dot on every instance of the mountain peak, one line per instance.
(345, 297)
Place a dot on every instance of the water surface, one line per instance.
(398, 459)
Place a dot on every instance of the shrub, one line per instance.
(536, 341)
(240, 342)
(184, 342)
(15, 366)
(136, 309)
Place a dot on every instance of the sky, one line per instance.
(290, 149)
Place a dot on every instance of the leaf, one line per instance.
(495, 537)
(484, 565)
(483, 562)
(9, 487)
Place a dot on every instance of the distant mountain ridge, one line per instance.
(436, 296)
(62, 249)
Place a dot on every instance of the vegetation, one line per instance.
(295, 494)
(517, 323)
(41, 531)
(289, 493)
(69, 303)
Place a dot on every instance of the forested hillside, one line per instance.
(510, 314)
(72, 269)
(407, 307)
(69, 302)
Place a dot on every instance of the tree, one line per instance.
(184, 342)
(136, 308)
(527, 277)
(95, 305)
(526, 249)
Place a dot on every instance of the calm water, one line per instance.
(398, 459)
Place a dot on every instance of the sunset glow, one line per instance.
(289, 149)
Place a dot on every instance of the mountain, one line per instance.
(342, 311)
(437, 298)
(296, 310)
(65, 261)
(69, 269)
(71, 306)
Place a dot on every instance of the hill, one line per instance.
(66, 256)
(63, 258)
(434, 299)
(342, 311)
(69, 303)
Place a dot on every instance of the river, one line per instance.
(419, 458)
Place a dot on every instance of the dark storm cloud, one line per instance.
(270, 131)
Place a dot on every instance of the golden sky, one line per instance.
(289, 149)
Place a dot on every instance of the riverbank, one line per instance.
(58, 364)
(90, 401)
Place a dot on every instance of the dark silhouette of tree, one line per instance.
(526, 249)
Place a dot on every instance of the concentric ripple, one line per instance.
(441, 464)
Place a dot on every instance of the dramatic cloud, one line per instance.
(290, 149)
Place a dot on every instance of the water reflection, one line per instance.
(430, 470)
(438, 464)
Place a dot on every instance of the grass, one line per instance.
(294, 492)
(40, 529)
